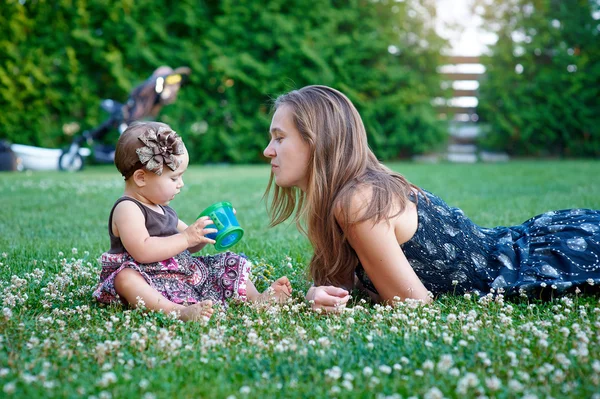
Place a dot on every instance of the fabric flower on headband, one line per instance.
(160, 148)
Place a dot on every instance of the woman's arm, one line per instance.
(384, 262)
(378, 249)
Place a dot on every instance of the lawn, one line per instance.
(55, 341)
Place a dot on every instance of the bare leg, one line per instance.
(251, 291)
(130, 285)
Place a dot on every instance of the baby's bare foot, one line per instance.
(278, 292)
(200, 311)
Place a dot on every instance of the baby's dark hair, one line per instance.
(127, 159)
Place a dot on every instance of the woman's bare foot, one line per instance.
(278, 292)
(200, 311)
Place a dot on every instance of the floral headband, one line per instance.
(160, 147)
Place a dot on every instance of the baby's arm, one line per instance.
(130, 285)
(129, 225)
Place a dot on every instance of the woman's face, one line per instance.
(288, 152)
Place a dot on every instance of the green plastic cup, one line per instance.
(229, 230)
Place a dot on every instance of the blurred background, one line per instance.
(430, 78)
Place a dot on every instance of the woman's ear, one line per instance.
(139, 177)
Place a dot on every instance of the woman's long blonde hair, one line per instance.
(341, 162)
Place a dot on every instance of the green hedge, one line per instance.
(541, 91)
(59, 58)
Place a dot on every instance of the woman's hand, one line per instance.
(328, 298)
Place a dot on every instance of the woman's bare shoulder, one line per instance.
(351, 206)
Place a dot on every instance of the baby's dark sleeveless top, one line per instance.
(157, 225)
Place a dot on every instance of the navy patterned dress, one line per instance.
(548, 255)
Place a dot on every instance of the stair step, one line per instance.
(462, 148)
(464, 131)
(493, 156)
(461, 158)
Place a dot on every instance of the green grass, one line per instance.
(55, 341)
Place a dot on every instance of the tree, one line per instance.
(541, 90)
(69, 55)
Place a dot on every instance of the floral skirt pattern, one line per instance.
(182, 279)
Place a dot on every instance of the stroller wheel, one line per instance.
(70, 162)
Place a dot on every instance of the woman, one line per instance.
(364, 220)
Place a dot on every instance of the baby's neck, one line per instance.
(143, 200)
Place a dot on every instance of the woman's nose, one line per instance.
(269, 152)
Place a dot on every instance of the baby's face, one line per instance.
(162, 189)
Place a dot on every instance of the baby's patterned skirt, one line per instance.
(183, 279)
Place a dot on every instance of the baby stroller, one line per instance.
(145, 101)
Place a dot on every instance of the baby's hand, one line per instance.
(196, 232)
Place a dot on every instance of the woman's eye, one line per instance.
(278, 139)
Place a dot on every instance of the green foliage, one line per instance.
(58, 59)
(540, 93)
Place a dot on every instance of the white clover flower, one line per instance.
(493, 383)
(397, 367)
(558, 376)
(433, 393)
(469, 380)
(107, 379)
(515, 385)
(140, 302)
(149, 395)
(367, 371)
(385, 369)
(334, 373)
(467, 296)
(245, 390)
(74, 251)
(348, 385)
(590, 281)
(428, 365)
(335, 389)
(374, 381)
(10, 388)
(144, 384)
